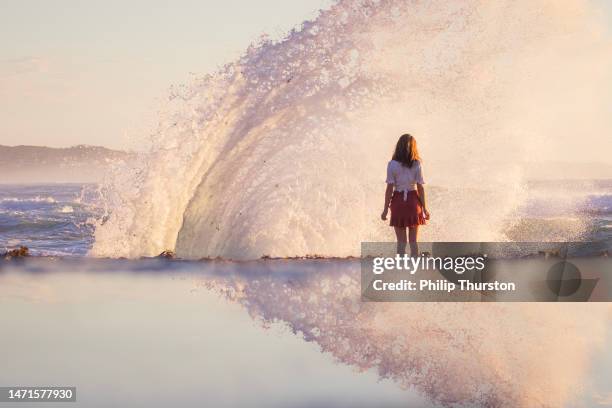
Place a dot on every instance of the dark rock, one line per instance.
(20, 252)
(167, 254)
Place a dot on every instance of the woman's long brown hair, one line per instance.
(406, 151)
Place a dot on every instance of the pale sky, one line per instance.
(94, 72)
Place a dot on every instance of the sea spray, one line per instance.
(283, 151)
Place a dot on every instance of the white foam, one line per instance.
(283, 152)
(66, 209)
(37, 199)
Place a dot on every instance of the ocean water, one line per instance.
(60, 219)
(54, 219)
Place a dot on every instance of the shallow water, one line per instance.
(284, 333)
(148, 334)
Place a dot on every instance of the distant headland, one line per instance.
(40, 164)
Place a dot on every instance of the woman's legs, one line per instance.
(400, 233)
(413, 233)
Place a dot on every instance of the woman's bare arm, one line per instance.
(421, 191)
(388, 195)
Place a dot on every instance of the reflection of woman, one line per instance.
(405, 194)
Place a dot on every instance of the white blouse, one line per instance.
(404, 178)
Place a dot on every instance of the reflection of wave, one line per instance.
(468, 354)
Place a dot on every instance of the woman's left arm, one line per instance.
(421, 190)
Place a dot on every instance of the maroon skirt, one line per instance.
(408, 212)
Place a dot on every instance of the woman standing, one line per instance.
(405, 194)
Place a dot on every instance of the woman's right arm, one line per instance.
(389, 192)
(421, 195)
